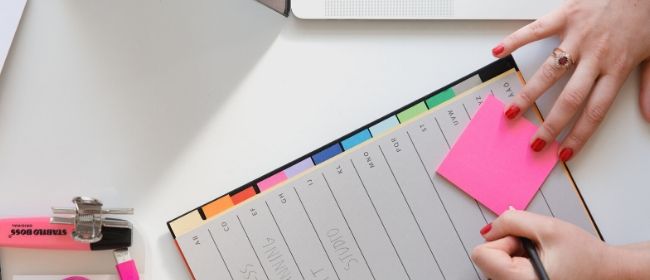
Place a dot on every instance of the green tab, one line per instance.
(412, 112)
(437, 99)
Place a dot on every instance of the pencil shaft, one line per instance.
(530, 249)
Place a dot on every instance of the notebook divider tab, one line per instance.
(350, 142)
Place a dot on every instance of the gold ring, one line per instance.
(562, 58)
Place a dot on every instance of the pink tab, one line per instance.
(271, 181)
(492, 160)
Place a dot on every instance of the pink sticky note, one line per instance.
(492, 160)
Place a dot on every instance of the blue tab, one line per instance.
(356, 139)
(384, 125)
(326, 154)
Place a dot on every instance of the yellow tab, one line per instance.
(186, 223)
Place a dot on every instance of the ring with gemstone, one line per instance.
(562, 58)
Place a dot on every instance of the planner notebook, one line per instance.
(368, 205)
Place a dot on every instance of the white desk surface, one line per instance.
(164, 105)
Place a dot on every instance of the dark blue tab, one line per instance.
(326, 154)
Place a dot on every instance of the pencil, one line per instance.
(530, 249)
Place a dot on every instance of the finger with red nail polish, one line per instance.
(486, 229)
(496, 51)
(538, 145)
(512, 112)
(566, 154)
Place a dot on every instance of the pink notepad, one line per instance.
(492, 160)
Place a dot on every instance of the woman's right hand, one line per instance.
(567, 251)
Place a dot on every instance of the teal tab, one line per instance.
(356, 139)
(384, 125)
(439, 98)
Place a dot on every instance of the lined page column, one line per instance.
(268, 242)
(293, 223)
(332, 229)
(433, 145)
(364, 221)
(396, 214)
(433, 219)
(202, 256)
(237, 251)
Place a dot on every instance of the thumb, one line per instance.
(498, 260)
(644, 90)
(520, 223)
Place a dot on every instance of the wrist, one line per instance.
(627, 262)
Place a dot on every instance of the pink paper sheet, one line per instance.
(492, 160)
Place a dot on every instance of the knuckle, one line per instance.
(602, 49)
(550, 129)
(572, 99)
(595, 114)
(548, 72)
(572, 9)
(515, 272)
(575, 139)
(477, 254)
(616, 63)
(526, 98)
(548, 227)
(504, 222)
(619, 67)
(537, 28)
(506, 216)
(513, 39)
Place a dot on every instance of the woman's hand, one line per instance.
(566, 251)
(606, 39)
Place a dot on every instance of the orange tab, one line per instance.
(217, 206)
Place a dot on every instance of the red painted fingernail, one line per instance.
(538, 145)
(566, 154)
(512, 112)
(486, 229)
(498, 49)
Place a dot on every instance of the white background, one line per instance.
(163, 105)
